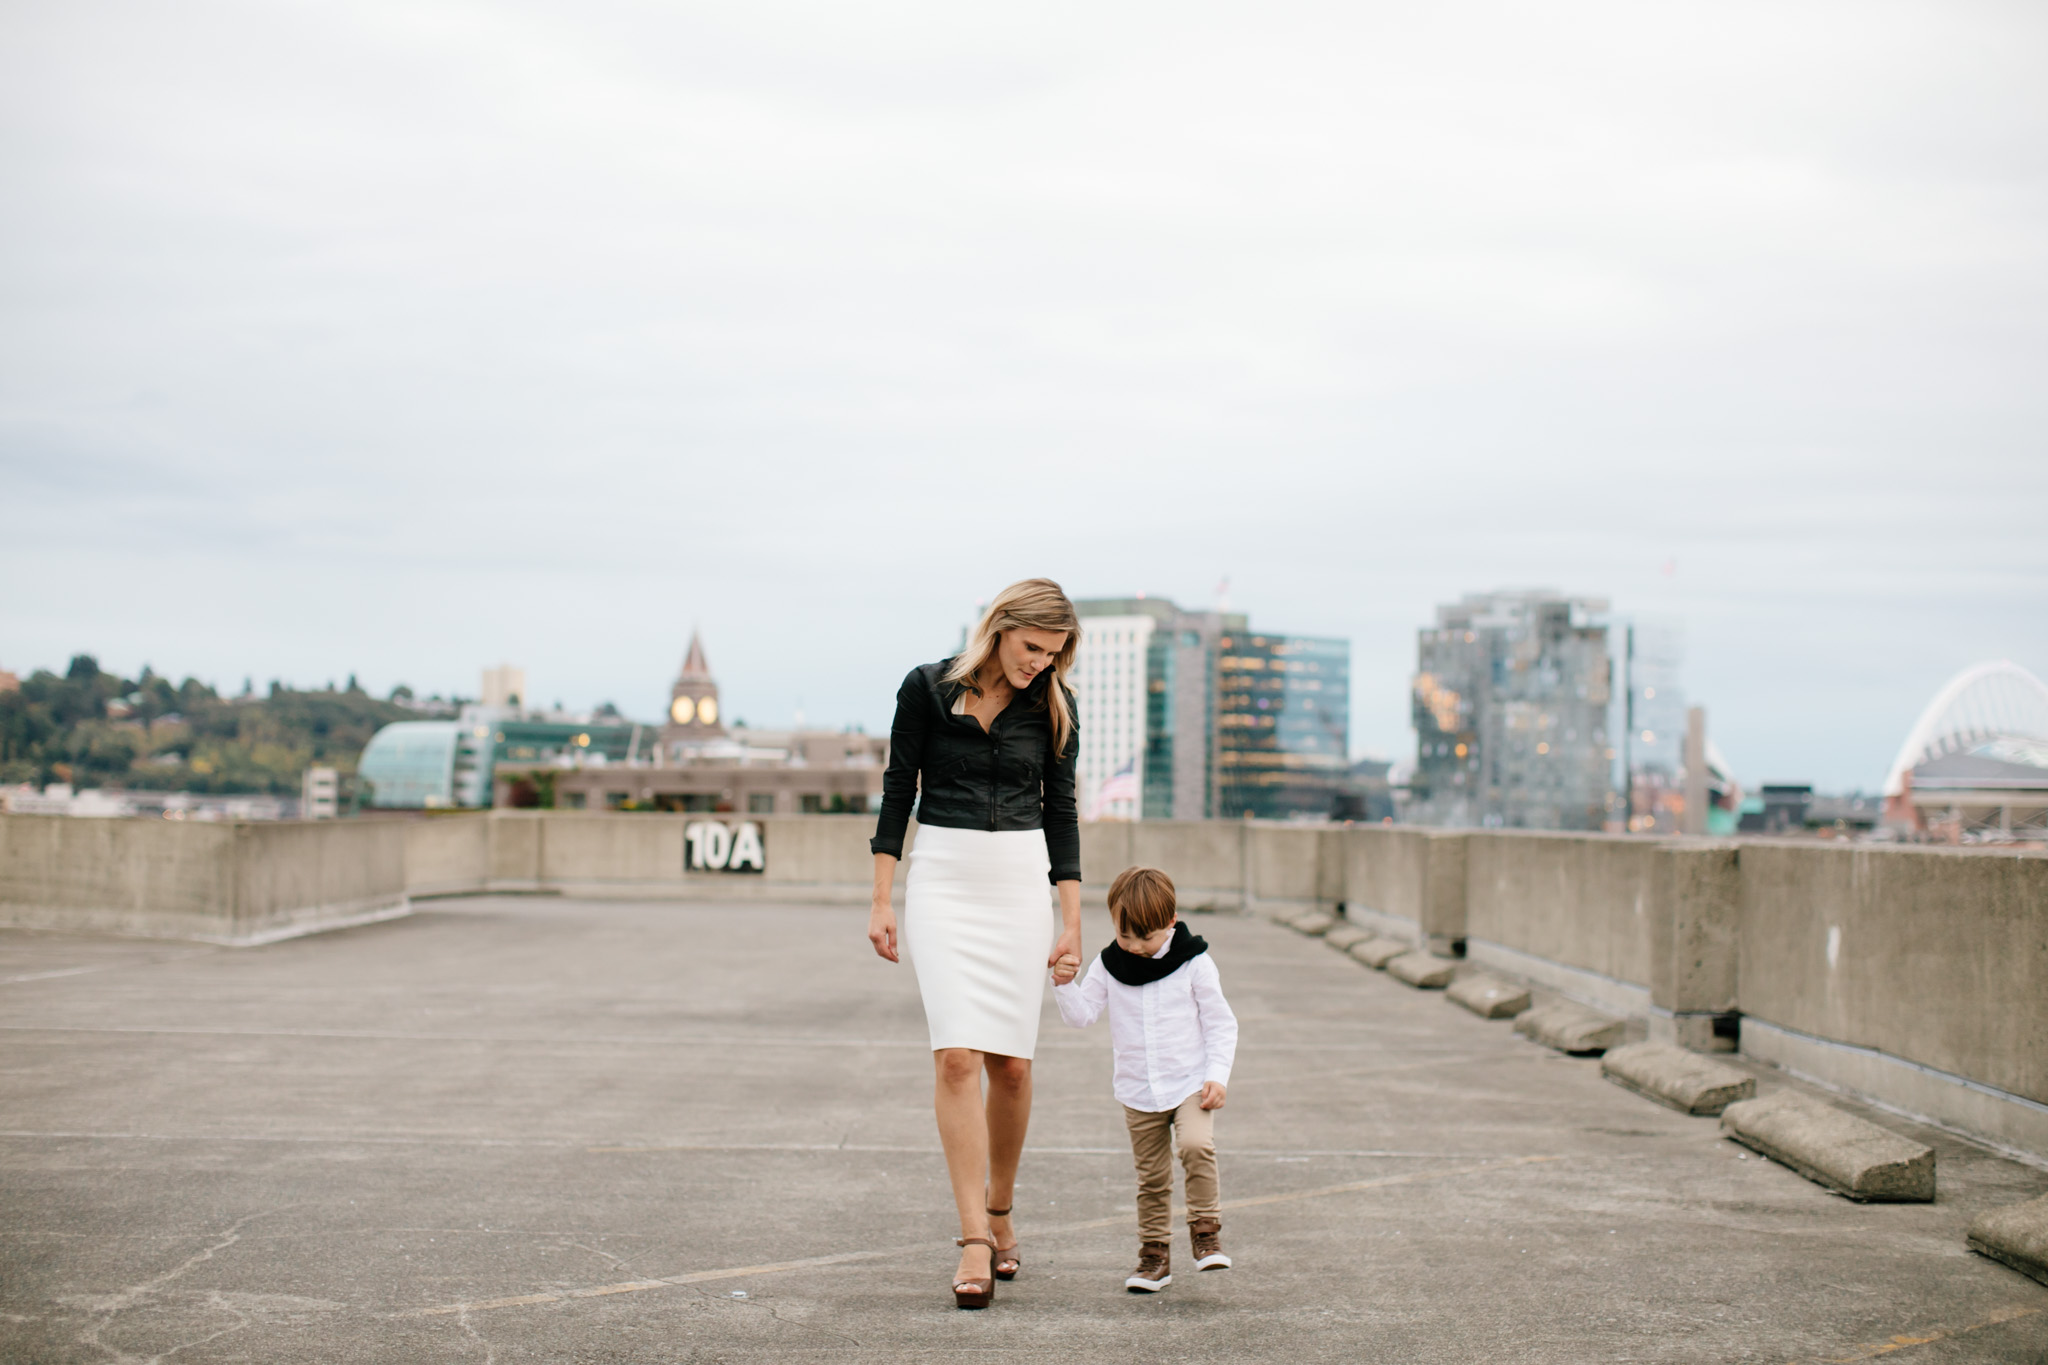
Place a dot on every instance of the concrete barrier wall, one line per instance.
(293, 877)
(1570, 911)
(1695, 923)
(1205, 858)
(1405, 883)
(518, 838)
(810, 857)
(1916, 976)
(826, 854)
(1291, 867)
(572, 848)
(218, 883)
(153, 877)
(447, 853)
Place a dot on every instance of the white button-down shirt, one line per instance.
(1167, 1037)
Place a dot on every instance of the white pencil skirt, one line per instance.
(978, 924)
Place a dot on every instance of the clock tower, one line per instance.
(693, 714)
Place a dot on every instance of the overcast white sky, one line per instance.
(403, 338)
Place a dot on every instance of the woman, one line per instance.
(990, 734)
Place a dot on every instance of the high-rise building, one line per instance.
(1145, 682)
(1187, 715)
(1284, 725)
(1112, 672)
(504, 687)
(1510, 709)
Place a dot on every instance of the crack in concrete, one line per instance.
(105, 1310)
(213, 1300)
(619, 1261)
(706, 1296)
(490, 1352)
(804, 1326)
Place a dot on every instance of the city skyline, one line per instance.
(1662, 753)
(349, 339)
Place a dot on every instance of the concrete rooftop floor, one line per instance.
(536, 1129)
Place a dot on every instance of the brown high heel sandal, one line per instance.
(978, 1293)
(1015, 1261)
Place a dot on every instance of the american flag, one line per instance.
(1122, 785)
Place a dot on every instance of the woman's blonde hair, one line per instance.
(1033, 604)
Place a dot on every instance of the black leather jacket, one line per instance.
(1005, 778)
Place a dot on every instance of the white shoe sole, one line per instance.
(1217, 1262)
(1148, 1286)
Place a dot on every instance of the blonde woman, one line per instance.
(990, 736)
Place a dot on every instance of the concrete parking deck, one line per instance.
(535, 1129)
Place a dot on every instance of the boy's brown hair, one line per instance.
(1142, 900)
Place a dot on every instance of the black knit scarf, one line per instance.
(1133, 970)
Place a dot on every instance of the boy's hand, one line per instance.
(1212, 1095)
(1065, 969)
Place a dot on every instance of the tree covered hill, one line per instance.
(97, 729)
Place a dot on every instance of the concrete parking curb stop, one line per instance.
(1378, 952)
(1422, 970)
(1312, 923)
(1489, 997)
(2016, 1235)
(1848, 1155)
(1344, 936)
(1570, 1028)
(1671, 1076)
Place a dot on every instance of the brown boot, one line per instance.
(1207, 1235)
(1155, 1268)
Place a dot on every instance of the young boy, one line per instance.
(1173, 1038)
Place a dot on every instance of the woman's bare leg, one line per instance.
(964, 1133)
(1009, 1114)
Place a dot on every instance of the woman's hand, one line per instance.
(1065, 969)
(882, 930)
(881, 914)
(1068, 946)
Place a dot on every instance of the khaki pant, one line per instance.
(1191, 1130)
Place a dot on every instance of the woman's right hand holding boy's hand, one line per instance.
(1065, 969)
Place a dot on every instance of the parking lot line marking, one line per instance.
(1903, 1342)
(844, 1257)
(570, 1144)
(680, 1040)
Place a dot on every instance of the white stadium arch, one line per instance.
(1985, 702)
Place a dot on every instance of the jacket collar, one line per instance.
(949, 692)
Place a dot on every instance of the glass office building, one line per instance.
(432, 764)
(1510, 708)
(425, 765)
(1283, 720)
(1145, 680)
(1233, 723)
